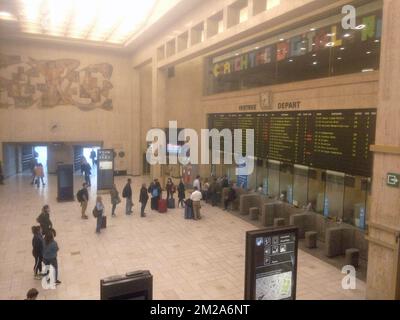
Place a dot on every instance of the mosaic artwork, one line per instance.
(25, 82)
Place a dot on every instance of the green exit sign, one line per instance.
(393, 180)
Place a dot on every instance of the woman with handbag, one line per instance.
(115, 199)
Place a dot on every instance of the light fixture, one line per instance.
(347, 35)
(257, 48)
(237, 53)
(315, 63)
(291, 60)
(281, 39)
(367, 70)
(331, 34)
(314, 55)
(377, 41)
(342, 48)
(339, 58)
(361, 26)
(7, 16)
(330, 44)
(312, 29)
(368, 52)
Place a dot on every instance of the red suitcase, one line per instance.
(162, 205)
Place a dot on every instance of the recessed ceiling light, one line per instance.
(342, 48)
(331, 34)
(291, 60)
(281, 39)
(368, 52)
(376, 41)
(367, 70)
(236, 54)
(315, 63)
(361, 26)
(339, 58)
(347, 35)
(314, 55)
(330, 44)
(7, 16)
(312, 29)
(257, 48)
(314, 44)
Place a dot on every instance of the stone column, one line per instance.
(384, 219)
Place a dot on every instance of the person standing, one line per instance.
(32, 294)
(212, 192)
(206, 187)
(181, 193)
(83, 198)
(83, 164)
(99, 209)
(33, 164)
(170, 189)
(93, 157)
(143, 198)
(231, 196)
(114, 199)
(1, 174)
(39, 175)
(37, 251)
(44, 220)
(197, 183)
(127, 194)
(196, 197)
(50, 249)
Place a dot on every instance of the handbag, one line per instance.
(95, 212)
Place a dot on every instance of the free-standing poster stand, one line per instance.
(65, 182)
(105, 169)
(271, 264)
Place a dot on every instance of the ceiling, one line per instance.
(104, 22)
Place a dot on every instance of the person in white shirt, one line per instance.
(196, 183)
(196, 197)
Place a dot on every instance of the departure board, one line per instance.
(337, 140)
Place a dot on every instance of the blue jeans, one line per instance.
(128, 206)
(98, 222)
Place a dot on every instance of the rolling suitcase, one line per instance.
(162, 205)
(104, 222)
(171, 203)
(188, 212)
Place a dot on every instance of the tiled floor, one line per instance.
(188, 259)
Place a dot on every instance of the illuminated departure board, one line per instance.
(337, 140)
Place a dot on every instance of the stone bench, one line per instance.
(352, 257)
(254, 213)
(311, 239)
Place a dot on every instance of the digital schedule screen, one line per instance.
(271, 264)
(337, 140)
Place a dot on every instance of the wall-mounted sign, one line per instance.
(271, 264)
(105, 169)
(290, 105)
(393, 180)
(248, 107)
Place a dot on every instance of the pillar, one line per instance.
(384, 219)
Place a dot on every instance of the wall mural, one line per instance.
(25, 82)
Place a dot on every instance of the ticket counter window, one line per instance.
(286, 183)
(355, 198)
(316, 189)
(334, 195)
(262, 176)
(273, 178)
(300, 183)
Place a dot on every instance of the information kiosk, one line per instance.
(105, 169)
(271, 264)
(65, 182)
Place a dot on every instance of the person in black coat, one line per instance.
(143, 198)
(155, 191)
(44, 220)
(127, 194)
(37, 251)
(181, 193)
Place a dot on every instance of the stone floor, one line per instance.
(188, 259)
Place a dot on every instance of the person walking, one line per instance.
(33, 164)
(93, 157)
(143, 198)
(87, 170)
(181, 194)
(197, 183)
(83, 198)
(99, 210)
(37, 251)
(83, 164)
(39, 175)
(196, 197)
(50, 249)
(44, 220)
(127, 194)
(115, 199)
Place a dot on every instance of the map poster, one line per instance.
(105, 173)
(271, 264)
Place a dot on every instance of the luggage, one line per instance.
(188, 212)
(171, 203)
(162, 205)
(104, 222)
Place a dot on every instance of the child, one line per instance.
(37, 251)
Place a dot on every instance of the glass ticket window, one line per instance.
(273, 178)
(316, 189)
(286, 182)
(334, 195)
(355, 197)
(262, 176)
(300, 186)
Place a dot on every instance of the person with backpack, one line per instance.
(44, 220)
(37, 251)
(83, 198)
(127, 194)
(114, 199)
(98, 211)
(143, 198)
(155, 191)
(181, 193)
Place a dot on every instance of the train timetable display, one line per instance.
(337, 140)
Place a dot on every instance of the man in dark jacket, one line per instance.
(230, 197)
(144, 197)
(83, 198)
(44, 220)
(37, 251)
(155, 191)
(127, 194)
(87, 170)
